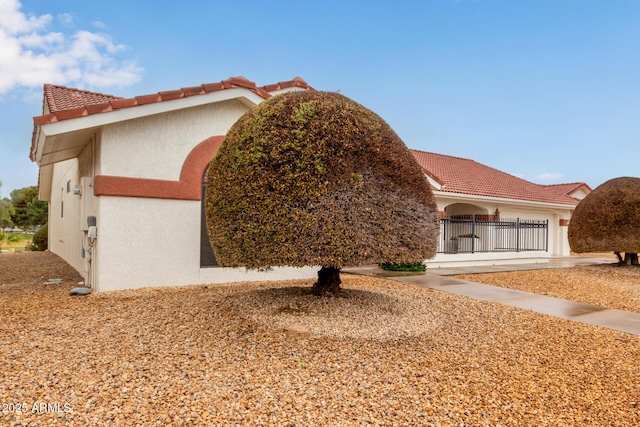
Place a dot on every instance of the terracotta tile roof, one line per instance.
(60, 98)
(465, 176)
(569, 188)
(68, 103)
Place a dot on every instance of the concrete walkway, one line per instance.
(619, 320)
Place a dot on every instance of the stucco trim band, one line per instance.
(188, 187)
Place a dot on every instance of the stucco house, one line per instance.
(492, 217)
(124, 182)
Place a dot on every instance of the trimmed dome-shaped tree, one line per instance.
(608, 220)
(314, 178)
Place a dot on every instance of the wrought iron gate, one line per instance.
(479, 233)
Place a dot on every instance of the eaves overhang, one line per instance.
(435, 185)
(503, 200)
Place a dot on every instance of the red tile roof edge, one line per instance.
(83, 97)
(111, 103)
(482, 180)
(568, 188)
(105, 103)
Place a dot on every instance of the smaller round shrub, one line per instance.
(40, 239)
(403, 266)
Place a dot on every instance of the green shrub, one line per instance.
(40, 239)
(314, 178)
(403, 266)
(8, 238)
(14, 237)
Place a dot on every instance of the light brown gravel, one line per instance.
(608, 285)
(383, 310)
(216, 356)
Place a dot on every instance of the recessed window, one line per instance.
(207, 259)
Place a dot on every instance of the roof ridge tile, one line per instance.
(99, 108)
(171, 94)
(193, 91)
(148, 99)
(213, 87)
(242, 82)
(443, 155)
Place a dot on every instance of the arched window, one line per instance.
(207, 259)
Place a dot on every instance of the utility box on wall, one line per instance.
(87, 202)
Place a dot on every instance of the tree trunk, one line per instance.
(328, 283)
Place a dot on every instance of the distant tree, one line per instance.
(6, 209)
(28, 210)
(37, 212)
(313, 178)
(608, 219)
(19, 199)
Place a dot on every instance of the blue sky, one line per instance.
(548, 90)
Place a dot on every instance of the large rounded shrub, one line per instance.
(314, 178)
(608, 219)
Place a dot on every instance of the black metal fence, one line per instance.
(484, 233)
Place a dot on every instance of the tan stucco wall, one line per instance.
(150, 147)
(65, 235)
(156, 242)
(155, 147)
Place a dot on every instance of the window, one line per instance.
(207, 259)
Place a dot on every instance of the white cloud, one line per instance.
(66, 19)
(549, 176)
(100, 25)
(32, 54)
(15, 22)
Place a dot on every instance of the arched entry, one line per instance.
(207, 259)
(458, 228)
(463, 210)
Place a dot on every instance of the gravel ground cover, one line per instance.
(607, 285)
(255, 354)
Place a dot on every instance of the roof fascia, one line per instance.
(44, 183)
(435, 184)
(39, 138)
(580, 187)
(518, 202)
